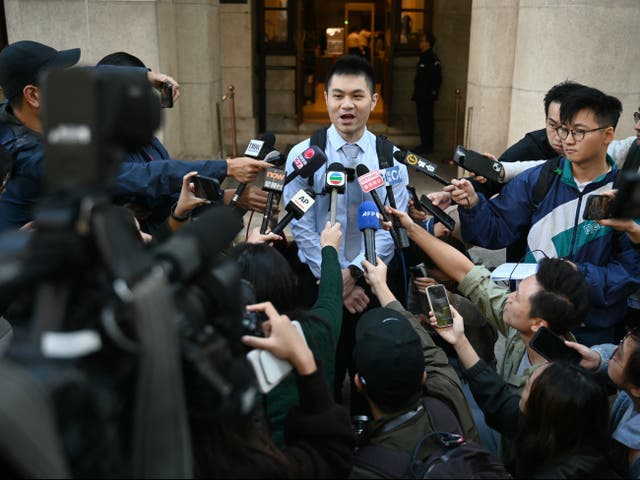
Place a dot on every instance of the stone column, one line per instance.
(491, 60)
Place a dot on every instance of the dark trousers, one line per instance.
(424, 112)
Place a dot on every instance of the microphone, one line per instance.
(274, 184)
(369, 181)
(306, 164)
(420, 164)
(302, 201)
(368, 223)
(258, 149)
(334, 182)
(392, 176)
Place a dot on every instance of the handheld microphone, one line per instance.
(392, 176)
(420, 164)
(258, 149)
(302, 201)
(274, 184)
(369, 181)
(306, 164)
(334, 182)
(368, 223)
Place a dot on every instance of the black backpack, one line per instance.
(453, 456)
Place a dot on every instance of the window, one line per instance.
(413, 19)
(277, 25)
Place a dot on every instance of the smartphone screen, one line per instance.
(206, 187)
(552, 347)
(597, 208)
(414, 196)
(439, 304)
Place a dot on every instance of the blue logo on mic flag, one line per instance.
(392, 175)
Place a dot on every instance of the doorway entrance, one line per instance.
(331, 29)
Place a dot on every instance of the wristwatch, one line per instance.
(178, 218)
(355, 272)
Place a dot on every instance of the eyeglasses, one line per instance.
(578, 134)
(636, 117)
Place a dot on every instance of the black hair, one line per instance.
(352, 65)
(632, 368)
(558, 93)
(605, 108)
(564, 299)
(430, 37)
(567, 411)
(122, 59)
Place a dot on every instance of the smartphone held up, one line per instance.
(439, 305)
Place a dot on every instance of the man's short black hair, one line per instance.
(605, 108)
(122, 59)
(558, 93)
(430, 37)
(564, 299)
(352, 65)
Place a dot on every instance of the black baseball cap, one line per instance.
(21, 63)
(389, 358)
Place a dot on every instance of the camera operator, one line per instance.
(146, 194)
(318, 431)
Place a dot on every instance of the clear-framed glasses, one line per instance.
(636, 117)
(577, 133)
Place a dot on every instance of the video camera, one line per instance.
(129, 343)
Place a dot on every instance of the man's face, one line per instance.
(553, 122)
(349, 104)
(636, 118)
(594, 144)
(517, 311)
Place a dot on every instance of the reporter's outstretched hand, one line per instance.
(245, 169)
(376, 277)
(590, 358)
(331, 236)
(283, 339)
(256, 237)
(416, 214)
(452, 334)
(356, 300)
(253, 198)
(157, 79)
(463, 193)
(188, 200)
(440, 199)
(405, 219)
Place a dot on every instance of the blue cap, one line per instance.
(368, 216)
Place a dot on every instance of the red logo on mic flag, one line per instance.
(308, 153)
(371, 181)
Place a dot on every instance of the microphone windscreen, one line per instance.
(336, 167)
(399, 156)
(268, 138)
(361, 169)
(368, 216)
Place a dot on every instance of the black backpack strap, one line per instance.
(441, 415)
(632, 162)
(384, 149)
(383, 461)
(318, 139)
(550, 171)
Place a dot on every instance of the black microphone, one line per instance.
(274, 184)
(392, 176)
(306, 164)
(334, 182)
(420, 164)
(369, 181)
(302, 201)
(258, 149)
(368, 223)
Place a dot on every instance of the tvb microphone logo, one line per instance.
(336, 179)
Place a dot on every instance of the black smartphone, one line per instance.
(597, 207)
(437, 213)
(477, 163)
(439, 305)
(166, 95)
(552, 347)
(414, 196)
(627, 201)
(207, 187)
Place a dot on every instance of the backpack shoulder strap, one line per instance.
(383, 461)
(441, 415)
(384, 149)
(318, 139)
(550, 171)
(632, 162)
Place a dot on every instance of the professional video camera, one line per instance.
(127, 342)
